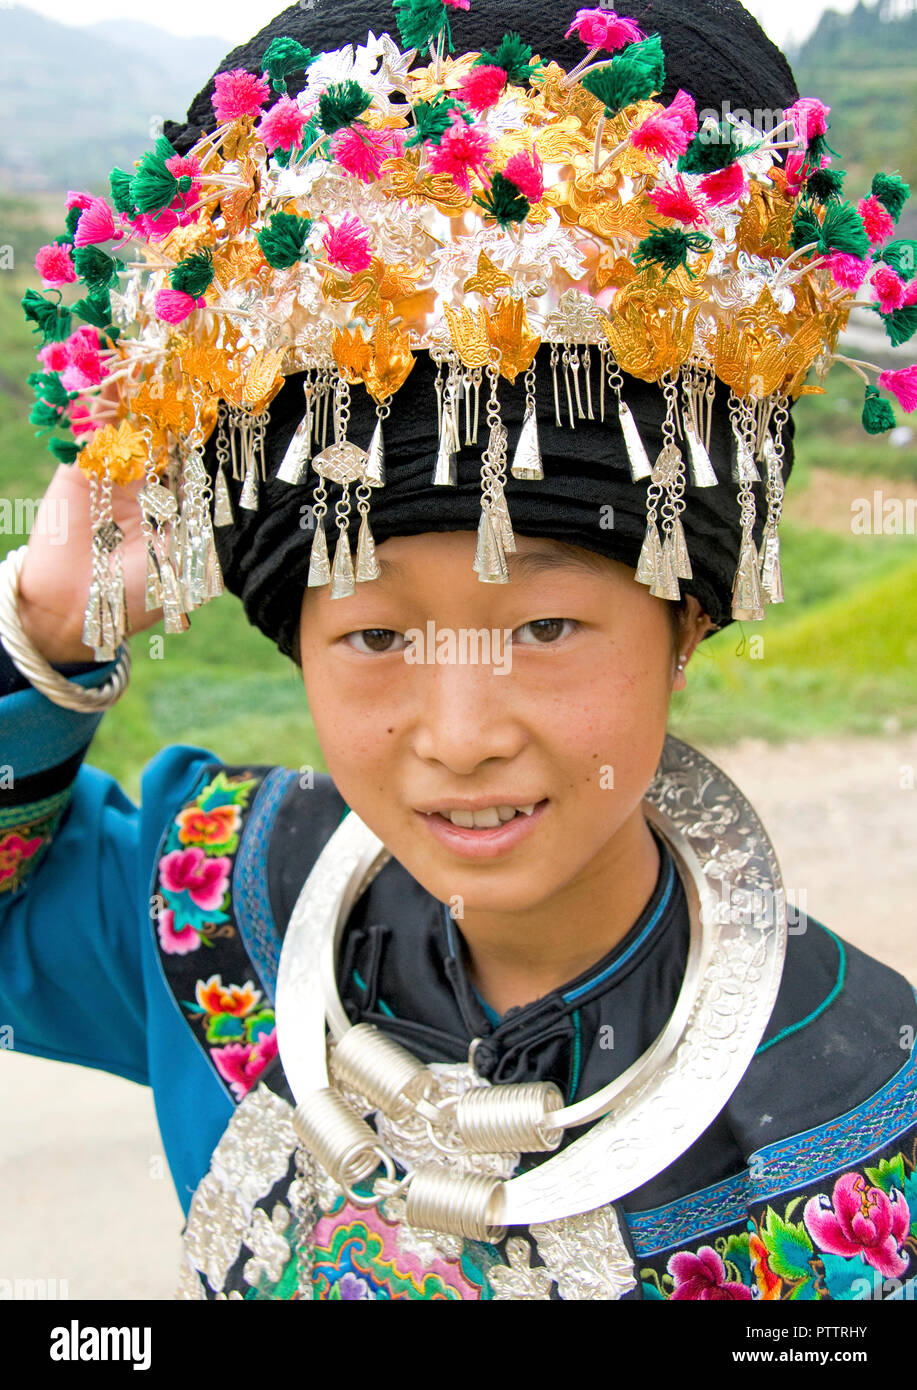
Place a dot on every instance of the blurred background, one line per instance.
(813, 712)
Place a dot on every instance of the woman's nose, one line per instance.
(465, 716)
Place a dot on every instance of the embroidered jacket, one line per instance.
(146, 940)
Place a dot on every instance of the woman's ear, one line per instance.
(695, 626)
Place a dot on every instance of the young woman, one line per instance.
(592, 1064)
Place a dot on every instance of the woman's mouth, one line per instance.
(483, 833)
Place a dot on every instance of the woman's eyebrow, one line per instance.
(525, 566)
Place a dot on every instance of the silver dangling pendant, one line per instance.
(680, 550)
(744, 469)
(502, 519)
(343, 583)
(666, 585)
(222, 505)
(771, 573)
(174, 617)
(703, 473)
(107, 644)
(92, 625)
(367, 564)
(319, 568)
(249, 498)
(213, 573)
(489, 560)
(374, 473)
(445, 474)
(527, 463)
(153, 580)
(640, 466)
(118, 603)
(650, 560)
(747, 602)
(294, 467)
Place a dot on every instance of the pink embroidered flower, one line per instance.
(809, 117)
(97, 223)
(890, 289)
(702, 1277)
(240, 1064)
(362, 152)
(879, 224)
(54, 265)
(190, 871)
(347, 245)
(724, 186)
(238, 93)
(861, 1220)
(197, 827)
(461, 152)
(903, 386)
(14, 850)
(216, 998)
(669, 133)
(282, 126)
(848, 272)
(605, 29)
(175, 943)
(526, 171)
(482, 86)
(679, 203)
(174, 306)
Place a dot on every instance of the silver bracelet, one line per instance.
(32, 664)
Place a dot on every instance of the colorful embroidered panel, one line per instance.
(25, 835)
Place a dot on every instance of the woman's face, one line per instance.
(568, 716)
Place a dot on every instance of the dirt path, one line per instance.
(86, 1196)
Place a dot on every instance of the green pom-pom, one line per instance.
(878, 415)
(901, 255)
(420, 22)
(433, 118)
(49, 388)
(817, 149)
(96, 309)
(283, 240)
(73, 216)
(669, 247)
(892, 192)
(45, 416)
(503, 202)
(900, 324)
(340, 105)
(95, 268)
(826, 185)
(515, 58)
(715, 147)
(842, 230)
(636, 74)
(64, 450)
(282, 58)
(153, 186)
(53, 321)
(120, 184)
(194, 274)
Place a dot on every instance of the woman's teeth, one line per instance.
(487, 819)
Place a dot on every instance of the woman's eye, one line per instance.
(545, 631)
(376, 640)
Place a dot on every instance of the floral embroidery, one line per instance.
(231, 1016)
(703, 1277)
(14, 850)
(861, 1220)
(217, 829)
(26, 831)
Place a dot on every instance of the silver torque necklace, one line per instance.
(639, 1124)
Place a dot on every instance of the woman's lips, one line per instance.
(483, 844)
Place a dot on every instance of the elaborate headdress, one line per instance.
(471, 224)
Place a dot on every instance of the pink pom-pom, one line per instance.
(890, 289)
(238, 93)
(174, 306)
(482, 87)
(848, 272)
(526, 171)
(605, 29)
(458, 4)
(54, 265)
(903, 386)
(809, 117)
(54, 357)
(282, 126)
(684, 108)
(78, 200)
(347, 245)
(879, 224)
(910, 294)
(181, 165)
(97, 223)
(85, 367)
(362, 152)
(724, 186)
(80, 420)
(678, 203)
(669, 133)
(797, 167)
(462, 150)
